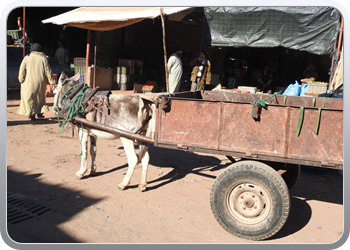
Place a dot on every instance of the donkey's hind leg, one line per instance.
(144, 158)
(93, 150)
(83, 136)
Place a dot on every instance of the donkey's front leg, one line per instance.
(93, 150)
(132, 161)
(83, 137)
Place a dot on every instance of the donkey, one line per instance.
(130, 113)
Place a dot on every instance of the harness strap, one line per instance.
(284, 100)
(319, 115)
(300, 121)
(90, 95)
(147, 120)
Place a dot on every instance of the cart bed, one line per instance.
(221, 122)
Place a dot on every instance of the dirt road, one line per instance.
(42, 161)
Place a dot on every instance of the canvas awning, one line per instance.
(109, 18)
(311, 29)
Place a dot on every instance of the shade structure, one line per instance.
(109, 18)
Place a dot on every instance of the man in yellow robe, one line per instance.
(34, 74)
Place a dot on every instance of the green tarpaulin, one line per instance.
(311, 29)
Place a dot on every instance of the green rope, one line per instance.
(262, 103)
(76, 108)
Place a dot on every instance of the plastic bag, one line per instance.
(293, 89)
(303, 89)
(287, 89)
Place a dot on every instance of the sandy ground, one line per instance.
(42, 161)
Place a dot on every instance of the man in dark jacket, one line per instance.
(201, 74)
(264, 80)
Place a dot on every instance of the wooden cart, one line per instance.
(267, 138)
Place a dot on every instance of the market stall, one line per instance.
(110, 18)
(271, 35)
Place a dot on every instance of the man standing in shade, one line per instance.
(34, 73)
(175, 70)
(61, 54)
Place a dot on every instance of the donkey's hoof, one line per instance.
(93, 172)
(120, 186)
(142, 188)
(78, 177)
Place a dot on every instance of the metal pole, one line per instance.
(165, 54)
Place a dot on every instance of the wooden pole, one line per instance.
(95, 60)
(87, 79)
(114, 130)
(334, 67)
(165, 54)
(340, 38)
(24, 31)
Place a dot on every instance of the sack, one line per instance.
(49, 90)
(293, 89)
(303, 89)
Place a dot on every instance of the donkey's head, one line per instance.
(64, 84)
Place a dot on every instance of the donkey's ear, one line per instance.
(75, 78)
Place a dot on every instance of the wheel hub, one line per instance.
(247, 202)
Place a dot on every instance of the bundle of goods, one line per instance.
(241, 89)
(248, 88)
(150, 86)
(316, 88)
(308, 89)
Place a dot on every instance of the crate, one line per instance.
(79, 61)
(251, 89)
(79, 69)
(316, 88)
(150, 86)
(138, 88)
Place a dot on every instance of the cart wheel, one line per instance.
(250, 200)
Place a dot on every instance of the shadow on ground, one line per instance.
(43, 228)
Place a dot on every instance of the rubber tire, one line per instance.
(292, 175)
(275, 191)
